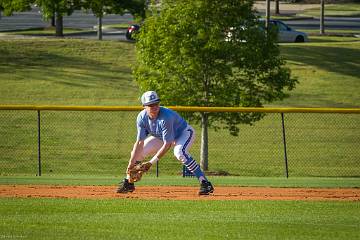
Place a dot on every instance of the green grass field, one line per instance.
(142, 219)
(67, 71)
(328, 73)
(87, 72)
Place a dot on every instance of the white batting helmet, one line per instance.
(149, 98)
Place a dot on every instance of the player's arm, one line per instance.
(139, 144)
(161, 152)
(168, 139)
(137, 148)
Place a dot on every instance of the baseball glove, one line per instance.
(138, 170)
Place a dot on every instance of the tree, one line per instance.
(210, 53)
(102, 7)
(99, 8)
(49, 9)
(58, 9)
(322, 16)
(277, 8)
(267, 14)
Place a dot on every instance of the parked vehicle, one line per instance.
(132, 29)
(286, 33)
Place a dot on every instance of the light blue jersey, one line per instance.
(168, 125)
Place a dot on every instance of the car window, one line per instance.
(282, 27)
(272, 25)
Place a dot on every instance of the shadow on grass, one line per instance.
(63, 61)
(333, 59)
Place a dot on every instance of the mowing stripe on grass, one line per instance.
(140, 219)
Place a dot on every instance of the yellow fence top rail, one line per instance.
(180, 108)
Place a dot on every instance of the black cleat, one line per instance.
(205, 188)
(125, 187)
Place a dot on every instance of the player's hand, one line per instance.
(138, 170)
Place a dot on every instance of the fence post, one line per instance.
(284, 142)
(157, 169)
(39, 143)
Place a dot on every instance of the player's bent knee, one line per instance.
(177, 151)
(179, 154)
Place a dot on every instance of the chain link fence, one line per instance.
(98, 143)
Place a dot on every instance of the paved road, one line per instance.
(79, 19)
(335, 23)
(310, 23)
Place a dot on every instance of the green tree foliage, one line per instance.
(210, 53)
(60, 7)
(10, 6)
(101, 7)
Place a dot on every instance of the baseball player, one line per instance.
(158, 129)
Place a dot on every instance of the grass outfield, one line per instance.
(88, 72)
(326, 71)
(145, 219)
(66, 71)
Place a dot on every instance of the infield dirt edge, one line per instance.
(181, 193)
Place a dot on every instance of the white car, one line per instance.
(286, 33)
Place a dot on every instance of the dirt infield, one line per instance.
(180, 193)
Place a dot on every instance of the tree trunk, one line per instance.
(99, 31)
(52, 21)
(277, 9)
(204, 161)
(59, 25)
(322, 17)
(267, 14)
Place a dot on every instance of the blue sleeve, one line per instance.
(141, 130)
